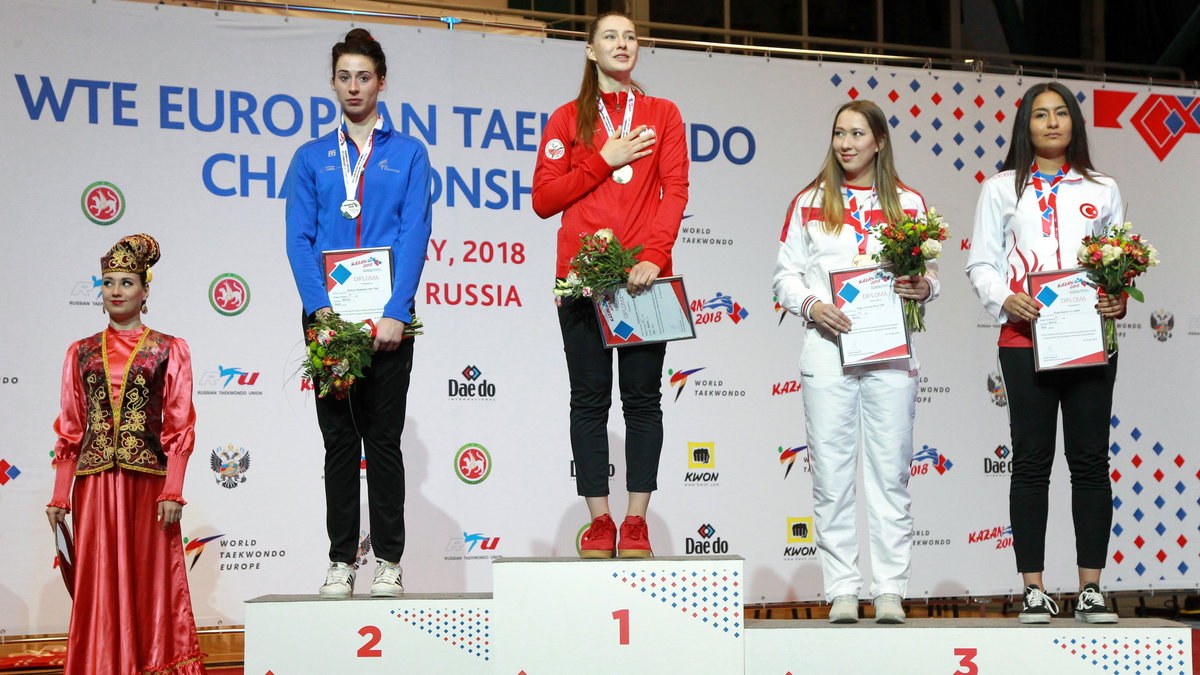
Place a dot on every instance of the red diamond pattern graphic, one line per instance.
(893, 95)
(1158, 475)
(958, 113)
(979, 176)
(1116, 476)
(1179, 461)
(999, 115)
(1136, 461)
(936, 98)
(915, 111)
(1162, 555)
(1182, 541)
(978, 101)
(1139, 542)
(853, 92)
(1118, 557)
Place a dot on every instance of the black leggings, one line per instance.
(1085, 396)
(589, 366)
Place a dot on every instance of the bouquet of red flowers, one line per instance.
(907, 245)
(601, 265)
(1113, 260)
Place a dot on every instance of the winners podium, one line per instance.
(550, 616)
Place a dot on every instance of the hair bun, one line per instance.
(359, 34)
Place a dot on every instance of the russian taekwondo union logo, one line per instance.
(472, 463)
(229, 294)
(103, 203)
(229, 466)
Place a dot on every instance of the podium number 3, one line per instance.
(373, 635)
(622, 617)
(969, 667)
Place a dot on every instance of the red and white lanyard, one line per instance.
(352, 178)
(1048, 202)
(854, 214)
(626, 124)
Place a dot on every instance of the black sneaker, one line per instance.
(1091, 608)
(1038, 607)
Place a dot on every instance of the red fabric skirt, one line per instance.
(133, 611)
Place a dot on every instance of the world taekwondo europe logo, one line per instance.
(679, 379)
(195, 548)
(788, 457)
(1161, 120)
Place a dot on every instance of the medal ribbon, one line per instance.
(351, 178)
(626, 124)
(1048, 202)
(854, 214)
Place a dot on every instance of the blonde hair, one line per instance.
(828, 182)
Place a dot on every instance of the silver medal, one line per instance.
(623, 175)
(351, 209)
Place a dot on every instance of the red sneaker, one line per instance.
(635, 540)
(600, 539)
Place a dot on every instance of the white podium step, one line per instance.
(416, 633)
(658, 615)
(998, 646)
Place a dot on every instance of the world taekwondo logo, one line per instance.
(195, 548)
(788, 458)
(679, 379)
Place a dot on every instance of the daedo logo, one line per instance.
(472, 463)
(1001, 465)
(473, 389)
(1161, 120)
(713, 310)
(229, 466)
(928, 457)
(229, 294)
(102, 203)
(702, 456)
(1001, 535)
(706, 544)
(8, 472)
(788, 458)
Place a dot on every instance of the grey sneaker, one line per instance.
(1091, 607)
(1038, 607)
(387, 580)
(888, 609)
(339, 581)
(844, 609)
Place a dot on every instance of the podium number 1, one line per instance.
(622, 617)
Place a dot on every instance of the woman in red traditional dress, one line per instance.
(125, 433)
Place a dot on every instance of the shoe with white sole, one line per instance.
(844, 609)
(387, 580)
(339, 581)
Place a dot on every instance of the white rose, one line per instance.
(1109, 253)
(606, 234)
(1152, 254)
(1082, 255)
(931, 248)
(573, 278)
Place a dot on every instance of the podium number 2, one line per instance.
(373, 635)
(969, 667)
(622, 617)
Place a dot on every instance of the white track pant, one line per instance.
(882, 398)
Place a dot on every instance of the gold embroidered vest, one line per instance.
(127, 435)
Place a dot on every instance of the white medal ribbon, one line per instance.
(351, 207)
(624, 174)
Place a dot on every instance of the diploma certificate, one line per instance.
(658, 314)
(359, 281)
(878, 332)
(1068, 332)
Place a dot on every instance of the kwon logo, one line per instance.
(472, 388)
(229, 294)
(472, 546)
(102, 203)
(1001, 535)
(718, 308)
(995, 385)
(1161, 120)
(229, 466)
(702, 456)
(706, 544)
(800, 544)
(232, 381)
(1001, 465)
(1162, 322)
(788, 458)
(472, 464)
(87, 293)
(928, 457)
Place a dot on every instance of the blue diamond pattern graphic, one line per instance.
(1080, 96)
(958, 88)
(1183, 568)
(893, 121)
(1174, 122)
(958, 139)
(836, 80)
(1114, 421)
(1136, 434)
(340, 274)
(978, 126)
(999, 91)
(914, 85)
(1158, 448)
(12, 472)
(1117, 502)
(937, 149)
(1160, 529)
(958, 164)
(1181, 514)
(1159, 501)
(468, 629)
(999, 141)
(936, 124)
(1117, 529)
(1137, 488)
(1140, 569)
(872, 83)
(915, 136)
(999, 165)
(1179, 487)
(1138, 515)
(1115, 448)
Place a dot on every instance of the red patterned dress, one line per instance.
(125, 433)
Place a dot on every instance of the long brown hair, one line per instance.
(830, 179)
(589, 88)
(1020, 149)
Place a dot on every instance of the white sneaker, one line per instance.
(387, 580)
(844, 609)
(888, 609)
(339, 581)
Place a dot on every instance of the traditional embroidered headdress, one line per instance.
(134, 254)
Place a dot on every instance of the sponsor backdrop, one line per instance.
(181, 122)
